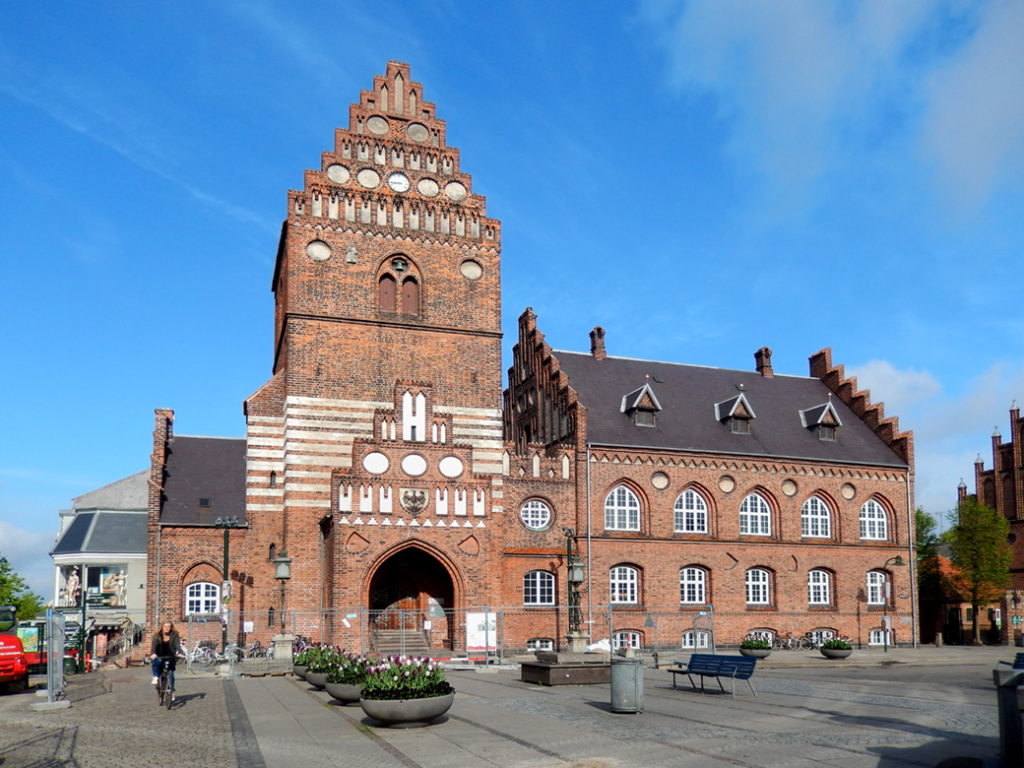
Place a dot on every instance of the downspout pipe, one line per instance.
(912, 558)
(590, 570)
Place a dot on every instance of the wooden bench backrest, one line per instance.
(704, 662)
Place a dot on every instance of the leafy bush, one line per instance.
(401, 677)
(755, 643)
(350, 669)
(835, 644)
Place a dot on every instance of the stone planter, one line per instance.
(835, 653)
(407, 713)
(316, 679)
(757, 653)
(346, 693)
(299, 670)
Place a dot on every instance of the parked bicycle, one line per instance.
(200, 656)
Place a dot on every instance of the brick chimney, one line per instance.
(763, 358)
(597, 343)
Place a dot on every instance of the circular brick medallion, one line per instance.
(451, 466)
(376, 463)
(848, 491)
(471, 270)
(318, 250)
(339, 174)
(455, 191)
(377, 125)
(726, 483)
(789, 487)
(428, 188)
(414, 465)
(368, 178)
(418, 132)
(659, 480)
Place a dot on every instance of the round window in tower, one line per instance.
(535, 515)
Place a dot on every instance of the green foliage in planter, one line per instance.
(402, 677)
(756, 643)
(835, 644)
(350, 669)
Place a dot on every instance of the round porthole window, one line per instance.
(535, 515)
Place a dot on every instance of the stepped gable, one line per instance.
(539, 406)
(392, 169)
(692, 416)
(859, 401)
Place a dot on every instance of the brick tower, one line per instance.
(374, 451)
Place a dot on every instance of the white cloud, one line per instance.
(974, 128)
(810, 88)
(900, 390)
(28, 554)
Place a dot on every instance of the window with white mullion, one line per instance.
(623, 584)
(692, 585)
(621, 510)
(539, 588)
(755, 516)
(758, 581)
(815, 519)
(691, 513)
(819, 590)
(874, 523)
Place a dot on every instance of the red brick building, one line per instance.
(414, 498)
(1002, 489)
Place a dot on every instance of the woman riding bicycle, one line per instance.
(166, 646)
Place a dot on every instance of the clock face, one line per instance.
(398, 182)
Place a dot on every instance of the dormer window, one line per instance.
(738, 425)
(736, 414)
(642, 406)
(822, 420)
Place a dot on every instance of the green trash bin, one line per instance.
(70, 666)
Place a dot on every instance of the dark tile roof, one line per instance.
(104, 533)
(688, 394)
(210, 468)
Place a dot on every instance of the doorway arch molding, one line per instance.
(442, 557)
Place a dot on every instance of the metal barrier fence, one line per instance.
(54, 655)
(483, 632)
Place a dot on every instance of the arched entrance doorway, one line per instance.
(411, 597)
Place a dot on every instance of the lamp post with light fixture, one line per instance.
(227, 523)
(574, 578)
(282, 572)
(886, 596)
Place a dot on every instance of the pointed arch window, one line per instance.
(816, 519)
(386, 290)
(410, 296)
(874, 523)
(621, 510)
(691, 513)
(755, 516)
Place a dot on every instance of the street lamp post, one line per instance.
(886, 596)
(282, 572)
(227, 523)
(575, 575)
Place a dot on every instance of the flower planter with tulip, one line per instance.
(757, 647)
(345, 681)
(400, 691)
(835, 648)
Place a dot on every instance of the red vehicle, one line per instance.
(13, 664)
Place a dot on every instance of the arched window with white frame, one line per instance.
(202, 597)
(755, 516)
(819, 587)
(539, 588)
(758, 583)
(874, 522)
(690, 512)
(816, 519)
(623, 584)
(621, 510)
(693, 585)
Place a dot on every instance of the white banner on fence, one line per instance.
(480, 633)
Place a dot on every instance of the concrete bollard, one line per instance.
(1011, 733)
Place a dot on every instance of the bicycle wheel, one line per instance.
(805, 644)
(168, 697)
(205, 656)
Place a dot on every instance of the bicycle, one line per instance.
(163, 686)
(201, 655)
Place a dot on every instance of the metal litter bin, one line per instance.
(627, 685)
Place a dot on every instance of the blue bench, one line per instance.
(718, 666)
(1018, 661)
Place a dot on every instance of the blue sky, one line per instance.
(700, 178)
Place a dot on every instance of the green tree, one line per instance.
(929, 575)
(14, 591)
(981, 554)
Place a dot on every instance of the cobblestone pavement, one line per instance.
(115, 720)
(909, 710)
